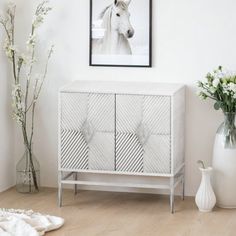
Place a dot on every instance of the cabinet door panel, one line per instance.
(156, 114)
(129, 153)
(73, 110)
(157, 154)
(128, 113)
(101, 112)
(87, 131)
(74, 150)
(143, 133)
(101, 152)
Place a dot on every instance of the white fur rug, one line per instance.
(22, 223)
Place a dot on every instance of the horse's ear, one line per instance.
(126, 1)
(117, 1)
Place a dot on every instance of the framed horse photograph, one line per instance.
(121, 33)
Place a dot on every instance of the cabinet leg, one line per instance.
(172, 196)
(183, 187)
(75, 178)
(59, 189)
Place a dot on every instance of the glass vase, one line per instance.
(226, 133)
(224, 163)
(28, 173)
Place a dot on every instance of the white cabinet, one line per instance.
(121, 128)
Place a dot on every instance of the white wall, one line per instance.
(189, 39)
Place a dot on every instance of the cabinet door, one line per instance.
(143, 133)
(87, 131)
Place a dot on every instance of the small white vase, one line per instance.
(205, 197)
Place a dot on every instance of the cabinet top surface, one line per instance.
(122, 87)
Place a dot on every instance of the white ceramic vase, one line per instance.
(205, 197)
(224, 163)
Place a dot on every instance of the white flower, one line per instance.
(225, 89)
(26, 58)
(212, 89)
(215, 82)
(232, 87)
(31, 40)
(220, 74)
(9, 49)
(9, 54)
(11, 4)
(204, 80)
(228, 74)
(38, 21)
(200, 90)
(201, 93)
(13, 47)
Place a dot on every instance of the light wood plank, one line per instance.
(92, 213)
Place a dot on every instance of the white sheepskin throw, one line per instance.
(22, 223)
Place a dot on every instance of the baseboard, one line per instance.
(4, 189)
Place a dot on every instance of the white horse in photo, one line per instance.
(117, 30)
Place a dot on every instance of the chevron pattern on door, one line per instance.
(157, 154)
(101, 112)
(128, 113)
(74, 110)
(87, 131)
(156, 114)
(101, 152)
(143, 142)
(74, 150)
(129, 153)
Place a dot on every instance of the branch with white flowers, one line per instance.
(22, 100)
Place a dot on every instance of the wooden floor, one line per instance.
(123, 214)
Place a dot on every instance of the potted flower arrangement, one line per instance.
(220, 86)
(26, 89)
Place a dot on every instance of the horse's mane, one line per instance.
(104, 11)
(120, 4)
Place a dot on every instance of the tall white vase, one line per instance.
(224, 163)
(205, 197)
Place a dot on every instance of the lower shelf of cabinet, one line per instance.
(125, 173)
(128, 185)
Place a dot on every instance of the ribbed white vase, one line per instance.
(205, 197)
